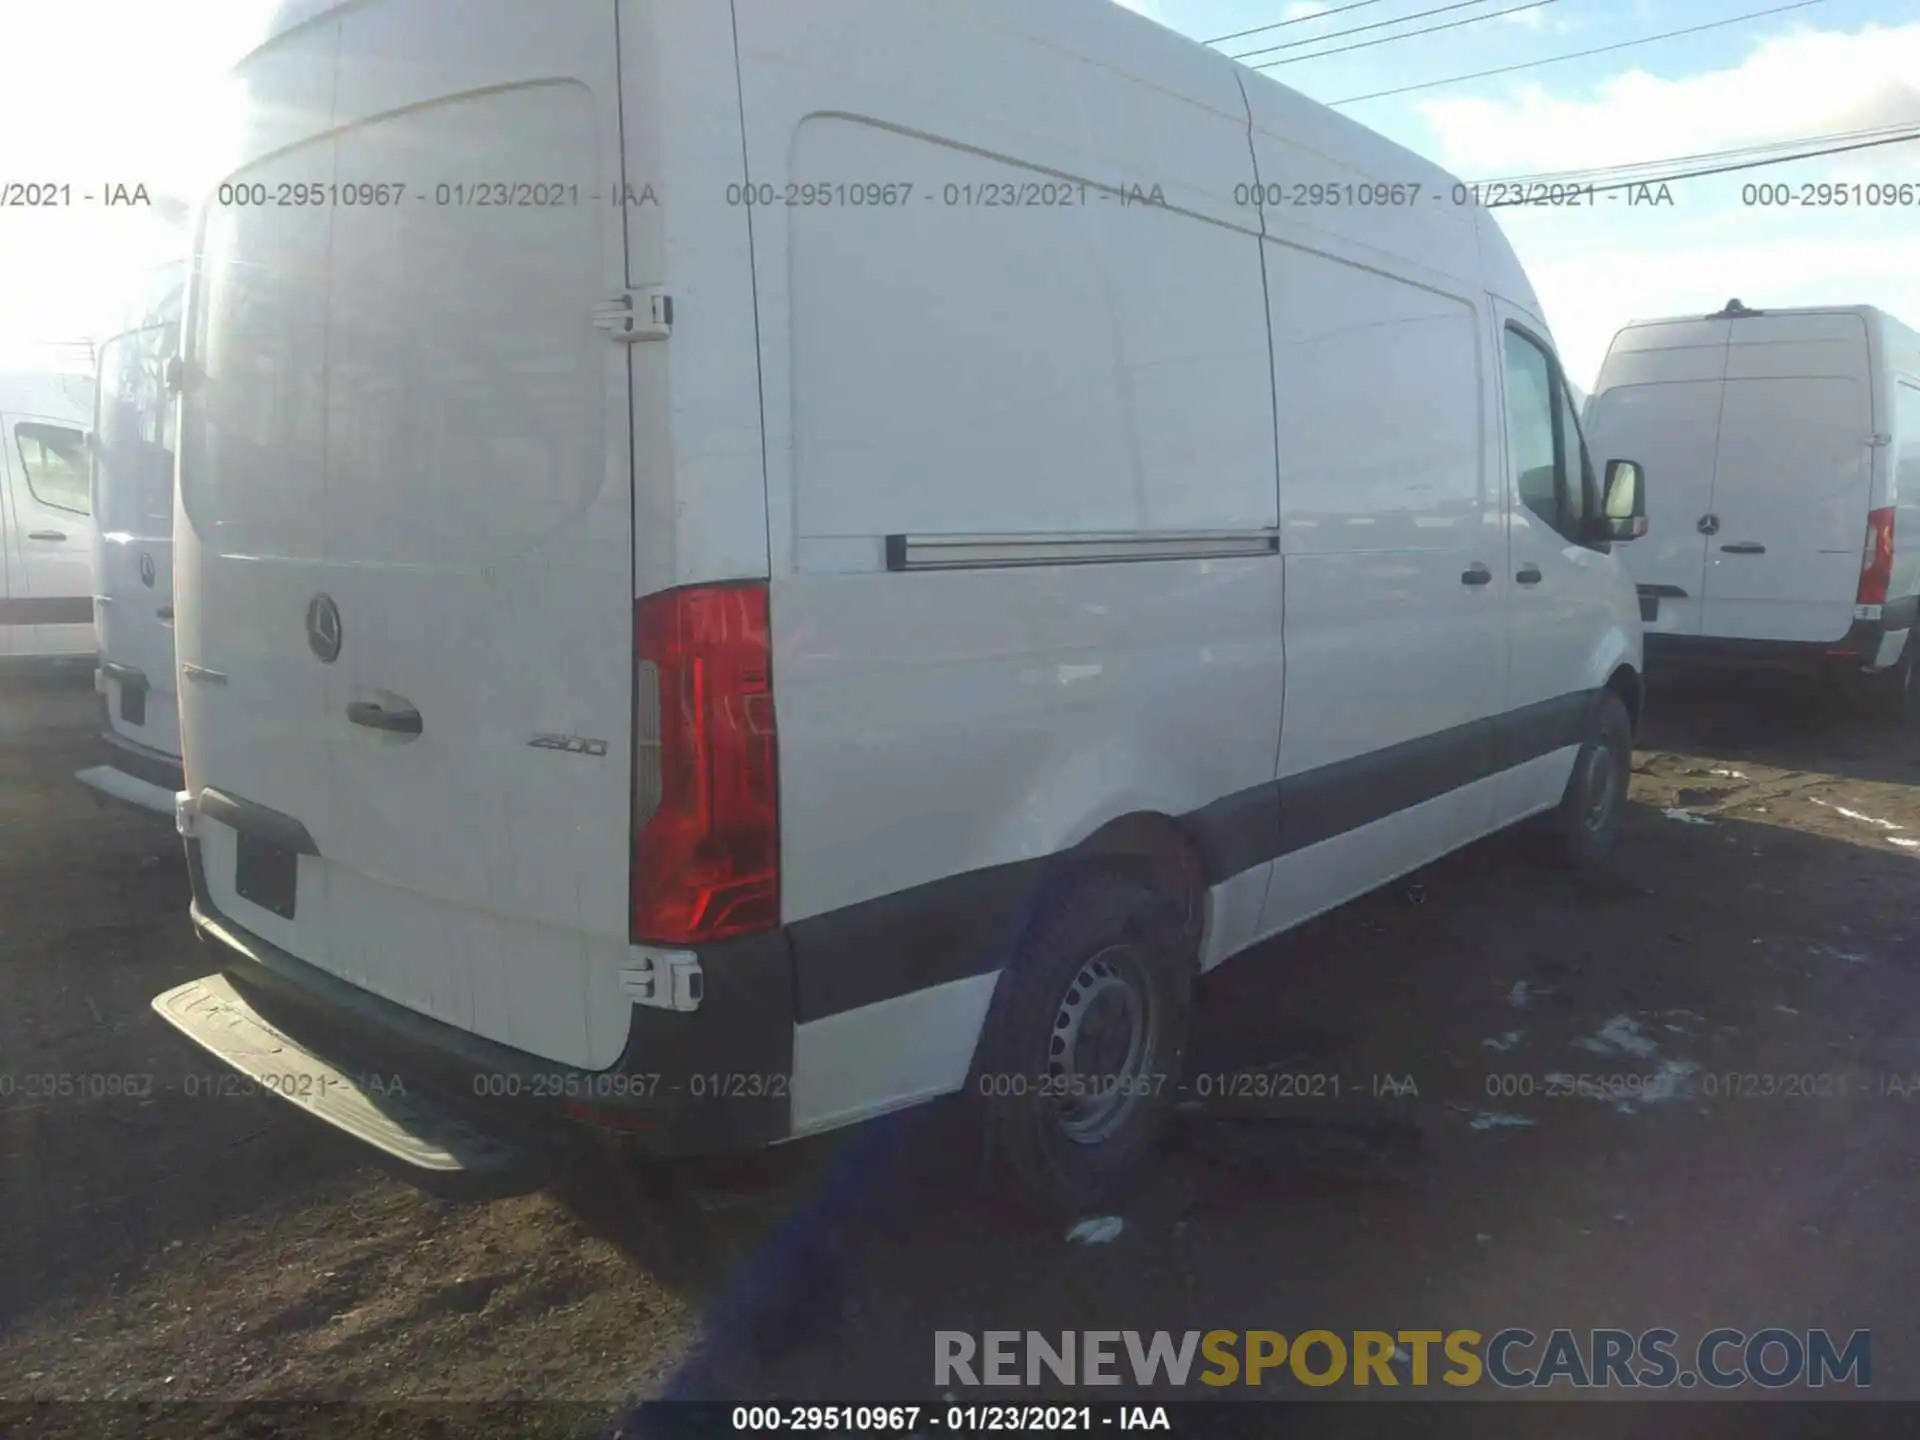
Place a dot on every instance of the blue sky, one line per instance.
(142, 104)
(1840, 65)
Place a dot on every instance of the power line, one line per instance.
(1296, 20)
(1360, 30)
(1580, 54)
(1730, 169)
(1736, 152)
(1385, 39)
(1355, 30)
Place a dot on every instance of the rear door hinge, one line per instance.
(636, 315)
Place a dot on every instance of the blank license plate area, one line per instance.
(1649, 607)
(265, 873)
(133, 704)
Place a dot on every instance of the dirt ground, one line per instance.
(1758, 919)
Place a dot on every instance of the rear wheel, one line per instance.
(1588, 819)
(1083, 1045)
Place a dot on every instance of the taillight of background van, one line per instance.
(706, 843)
(1876, 558)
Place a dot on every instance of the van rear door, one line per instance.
(1794, 479)
(133, 515)
(1658, 402)
(405, 572)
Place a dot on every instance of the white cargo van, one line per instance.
(46, 524)
(1784, 446)
(820, 557)
(132, 455)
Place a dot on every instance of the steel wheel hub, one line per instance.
(1102, 1041)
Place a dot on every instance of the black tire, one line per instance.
(1588, 819)
(1108, 963)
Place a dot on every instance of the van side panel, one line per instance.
(1393, 663)
(1002, 354)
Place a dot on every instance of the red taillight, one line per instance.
(706, 845)
(1876, 558)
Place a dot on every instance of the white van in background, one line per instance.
(1784, 449)
(721, 669)
(46, 524)
(132, 454)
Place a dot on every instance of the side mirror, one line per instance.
(1624, 511)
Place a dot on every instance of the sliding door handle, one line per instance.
(375, 717)
(1528, 575)
(1476, 574)
(46, 534)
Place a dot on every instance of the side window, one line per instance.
(1573, 464)
(1532, 452)
(55, 459)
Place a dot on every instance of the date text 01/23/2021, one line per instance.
(1204, 1085)
(956, 1419)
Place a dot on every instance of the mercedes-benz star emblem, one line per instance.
(323, 628)
(146, 570)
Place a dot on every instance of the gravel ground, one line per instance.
(1757, 920)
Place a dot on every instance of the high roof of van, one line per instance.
(1110, 35)
(1872, 314)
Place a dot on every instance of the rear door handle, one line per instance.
(1476, 574)
(375, 717)
(46, 535)
(1744, 547)
(1528, 575)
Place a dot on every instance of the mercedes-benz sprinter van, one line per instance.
(743, 566)
(1785, 450)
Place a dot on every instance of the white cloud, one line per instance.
(1810, 83)
(1596, 268)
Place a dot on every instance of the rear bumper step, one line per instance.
(376, 1109)
(135, 774)
(1858, 649)
(670, 1092)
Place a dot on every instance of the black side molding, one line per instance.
(250, 819)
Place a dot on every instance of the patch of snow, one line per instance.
(1489, 1120)
(1096, 1230)
(1686, 817)
(1622, 1032)
(1856, 815)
